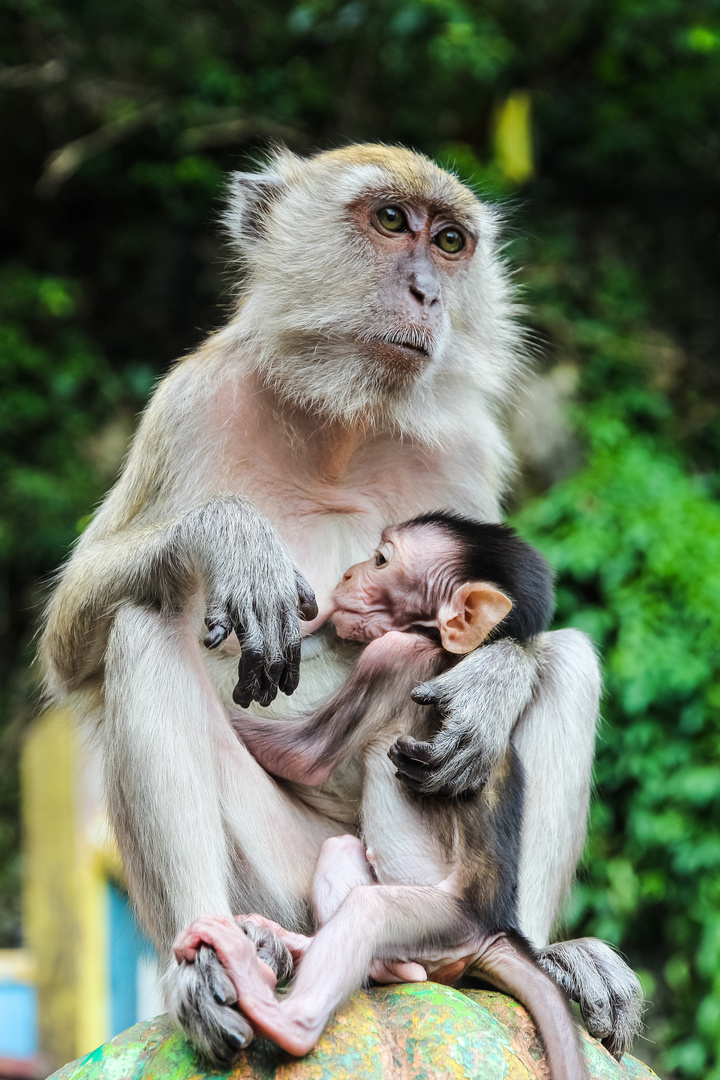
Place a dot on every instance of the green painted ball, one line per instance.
(415, 1032)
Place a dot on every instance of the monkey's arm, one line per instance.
(480, 700)
(307, 751)
(225, 547)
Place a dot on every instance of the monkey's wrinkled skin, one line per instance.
(362, 378)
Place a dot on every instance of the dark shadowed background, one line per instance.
(118, 122)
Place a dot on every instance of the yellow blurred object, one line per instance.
(69, 851)
(513, 138)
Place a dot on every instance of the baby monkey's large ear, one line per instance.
(472, 612)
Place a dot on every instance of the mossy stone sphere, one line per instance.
(414, 1032)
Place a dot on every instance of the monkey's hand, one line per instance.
(254, 588)
(479, 701)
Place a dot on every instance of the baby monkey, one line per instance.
(439, 884)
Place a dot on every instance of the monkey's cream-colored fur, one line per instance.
(278, 446)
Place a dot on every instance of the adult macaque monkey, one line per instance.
(359, 381)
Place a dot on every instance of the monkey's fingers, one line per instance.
(307, 604)
(207, 930)
(290, 677)
(251, 663)
(417, 768)
(418, 751)
(425, 694)
(412, 772)
(219, 628)
(268, 680)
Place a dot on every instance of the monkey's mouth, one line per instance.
(413, 342)
(403, 355)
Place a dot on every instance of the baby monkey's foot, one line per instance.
(234, 947)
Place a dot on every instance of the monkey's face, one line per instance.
(401, 586)
(374, 290)
(416, 249)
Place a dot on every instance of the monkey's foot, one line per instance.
(202, 994)
(270, 947)
(292, 1026)
(608, 991)
(251, 980)
(200, 998)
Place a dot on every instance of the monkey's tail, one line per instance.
(507, 962)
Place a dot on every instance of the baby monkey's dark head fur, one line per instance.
(450, 577)
(496, 554)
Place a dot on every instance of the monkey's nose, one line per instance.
(424, 288)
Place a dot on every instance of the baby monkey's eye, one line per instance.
(383, 555)
(392, 218)
(450, 241)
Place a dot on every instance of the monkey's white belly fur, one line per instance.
(400, 850)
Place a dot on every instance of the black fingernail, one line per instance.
(422, 694)
(242, 697)
(308, 610)
(216, 637)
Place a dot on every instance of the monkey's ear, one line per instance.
(250, 197)
(473, 611)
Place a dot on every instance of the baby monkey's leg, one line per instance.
(247, 946)
(341, 867)
(372, 921)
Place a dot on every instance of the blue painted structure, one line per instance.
(18, 1019)
(130, 954)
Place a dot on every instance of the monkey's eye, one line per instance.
(383, 555)
(450, 241)
(392, 219)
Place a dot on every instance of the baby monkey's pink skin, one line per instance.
(390, 590)
(342, 868)
(412, 582)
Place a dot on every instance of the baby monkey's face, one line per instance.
(401, 586)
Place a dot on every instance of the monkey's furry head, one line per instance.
(316, 291)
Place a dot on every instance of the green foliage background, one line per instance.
(118, 122)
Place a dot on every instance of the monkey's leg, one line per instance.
(192, 812)
(373, 921)
(341, 867)
(387, 920)
(556, 739)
